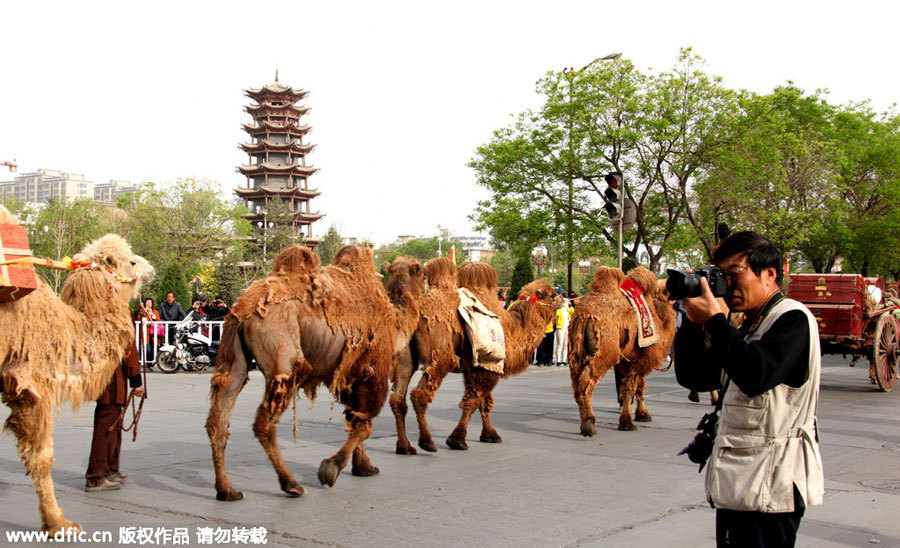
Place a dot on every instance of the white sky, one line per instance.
(401, 93)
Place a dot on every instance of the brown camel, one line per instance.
(65, 349)
(441, 345)
(604, 334)
(306, 326)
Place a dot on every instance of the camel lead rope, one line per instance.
(120, 422)
(296, 397)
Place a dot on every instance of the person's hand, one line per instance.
(701, 309)
(139, 391)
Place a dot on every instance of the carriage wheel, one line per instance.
(884, 352)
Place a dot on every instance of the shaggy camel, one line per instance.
(604, 334)
(441, 344)
(306, 326)
(65, 349)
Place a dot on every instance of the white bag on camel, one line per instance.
(485, 331)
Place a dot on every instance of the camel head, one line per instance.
(404, 276)
(441, 272)
(113, 254)
(606, 280)
(543, 291)
(7, 218)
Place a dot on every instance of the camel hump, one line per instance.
(477, 275)
(539, 288)
(295, 258)
(7, 218)
(645, 279)
(354, 258)
(441, 272)
(606, 280)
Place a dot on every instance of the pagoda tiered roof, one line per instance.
(252, 193)
(263, 126)
(254, 109)
(256, 169)
(263, 145)
(299, 216)
(277, 90)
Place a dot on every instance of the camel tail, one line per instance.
(229, 345)
(576, 343)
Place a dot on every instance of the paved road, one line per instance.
(544, 485)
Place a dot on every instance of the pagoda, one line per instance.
(277, 159)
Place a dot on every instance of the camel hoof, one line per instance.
(406, 450)
(643, 417)
(490, 437)
(587, 428)
(626, 425)
(328, 472)
(292, 488)
(365, 471)
(229, 495)
(694, 397)
(427, 444)
(63, 525)
(454, 442)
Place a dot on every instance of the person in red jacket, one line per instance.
(103, 466)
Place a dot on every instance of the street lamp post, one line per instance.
(570, 76)
(263, 225)
(539, 259)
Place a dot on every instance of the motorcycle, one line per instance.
(191, 351)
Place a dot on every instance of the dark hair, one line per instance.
(573, 295)
(172, 293)
(759, 251)
(145, 299)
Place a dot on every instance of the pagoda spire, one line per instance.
(276, 75)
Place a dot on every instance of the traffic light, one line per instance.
(613, 194)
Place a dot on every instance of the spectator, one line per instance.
(561, 336)
(147, 314)
(216, 312)
(171, 311)
(545, 350)
(196, 310)
(501, 297)
(103, 472)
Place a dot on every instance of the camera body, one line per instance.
(682, 285)
(700, 448)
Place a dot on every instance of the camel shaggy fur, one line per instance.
(441, 345)
(604, 334)
(65, 349)
(306, 326)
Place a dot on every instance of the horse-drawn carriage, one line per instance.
(857, 316)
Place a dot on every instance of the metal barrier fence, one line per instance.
(149, 337)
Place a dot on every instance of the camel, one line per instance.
(306, 326)
(441, 345)
(603, 334)
(56, 349)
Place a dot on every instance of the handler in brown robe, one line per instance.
(103, 467)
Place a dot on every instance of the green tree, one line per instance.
(329, 246)
(522, 275)
(62, 228)
(226, 279)
(174, 280)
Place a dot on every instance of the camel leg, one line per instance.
(488, 433)
(629, 386)
(584, 380)
(225, 389)
(31, 420)
(403, 371)
(422, 395)
(641, 413)
(330, 468)
(280, 390)
(478, 383)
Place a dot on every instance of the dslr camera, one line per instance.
(700, 448)
(681, 285)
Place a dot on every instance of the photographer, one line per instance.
(765, 467)
(215, 312)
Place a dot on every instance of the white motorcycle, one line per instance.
(191, 351)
